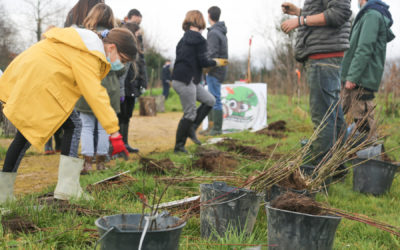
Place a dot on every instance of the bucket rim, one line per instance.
(99, 226)
(333, 217)
(375, 160)
(248, 191)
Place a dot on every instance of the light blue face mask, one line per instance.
(117, 65)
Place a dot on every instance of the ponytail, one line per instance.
(123, 39)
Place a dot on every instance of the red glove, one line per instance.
(118, 145)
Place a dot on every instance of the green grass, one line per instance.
(350, 235)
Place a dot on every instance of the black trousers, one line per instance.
(69, 145)
(127, 107)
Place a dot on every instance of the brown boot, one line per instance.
(100, 162)
(87, 166)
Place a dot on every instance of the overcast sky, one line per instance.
(162, 20)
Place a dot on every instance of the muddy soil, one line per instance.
(297, 203)
(275, 130)
(294, 181)
(159, 167)
(64, 206)
(249, 152)
(15, 224)
(213, 160)
(149, 134)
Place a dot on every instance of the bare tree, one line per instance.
(45, 13)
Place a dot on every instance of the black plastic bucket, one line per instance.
(373, 176)
(122, 231)
(277, 191)
(290, 230)
(234, 209)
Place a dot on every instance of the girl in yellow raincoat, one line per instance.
(40, 89)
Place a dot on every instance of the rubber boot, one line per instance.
(100, 162)
(124, 130)
(210, 124)
(68, 185)
(202, 112)
(182, 135)
(87, 166)
(7, 181)
(218, 119)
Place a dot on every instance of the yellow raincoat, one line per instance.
(41, 86)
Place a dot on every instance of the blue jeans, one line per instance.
(323, 77)
(89, 123)
(214, 87)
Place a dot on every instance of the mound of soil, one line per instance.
(16, 224)
(213, 160)
(235, 146)
(275, 130)
(63, 206)
(152, 166)
(277, 126)
(297, 203)
(294, 181)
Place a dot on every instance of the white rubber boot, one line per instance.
(68, 185)
(7, 181)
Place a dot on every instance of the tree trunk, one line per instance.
(8, 130)
(148, 106)
(160, 104)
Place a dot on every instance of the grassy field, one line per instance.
(72, 230)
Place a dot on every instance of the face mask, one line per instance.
(117, 65)
(359, 5)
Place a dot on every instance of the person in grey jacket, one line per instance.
(323, 37)
(217, 45)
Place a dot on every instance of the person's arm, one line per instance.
(86, 71)
(365, 48)
(202, 57)
(212, 44)
(338, 12)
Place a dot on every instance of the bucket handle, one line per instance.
(103, 236)
(221, 203)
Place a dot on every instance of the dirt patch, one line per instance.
(16, 224)
(62, 206)
(297, 203)
(249, 152)
(213, 160)
(118, 180)
(275, 130)
(159, 167)
(294, 181)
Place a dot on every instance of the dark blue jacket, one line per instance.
(191, 58)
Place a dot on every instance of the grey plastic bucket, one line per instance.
(373, 176)
(290, 230)
(373, 152)
(235, 209)
(122, 232)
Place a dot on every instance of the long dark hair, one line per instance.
(78, 13)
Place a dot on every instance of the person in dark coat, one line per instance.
(191, 58)
(134, 82)
(166, 78)
(217, 48)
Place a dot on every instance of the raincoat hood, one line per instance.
(81, 39)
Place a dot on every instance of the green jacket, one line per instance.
(112, 85)
(364, 62)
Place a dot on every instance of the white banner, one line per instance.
(245, 107)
